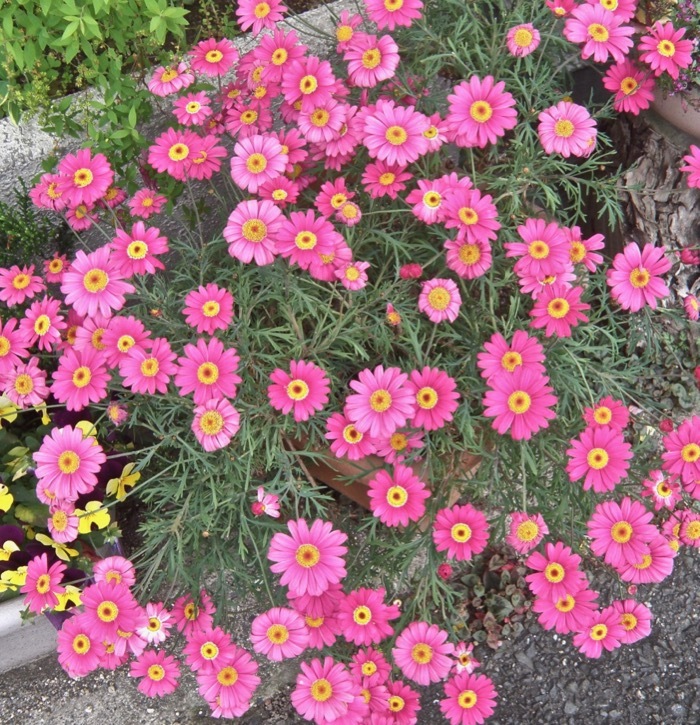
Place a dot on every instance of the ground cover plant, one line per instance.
(399, 280)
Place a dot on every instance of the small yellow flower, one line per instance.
(6, 499)
(117, 486)
(7, 549)
(94, 513)
(8, 410)
(70, 597)
(63, 551)
(45, 417)
(13, 580)
(88, 429)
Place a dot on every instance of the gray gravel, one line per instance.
(539, 676)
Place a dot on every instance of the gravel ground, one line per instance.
(539, 676)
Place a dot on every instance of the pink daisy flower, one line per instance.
(570, 613)
(691, 305)
(393, 13)
(470, 699)
(214, 57)
(309, 559)
(346, 440)
(466, 662)
(475, 217)
(281, 191)
(67, 463)
(603, 632)
(192, 109)
(399, 498)
(134, 252)
(398, 445)
(664, 491)
(25, 384)
(332, 196)
(78, 648)
(602, 33)
(363, 617)
(655, 566)
(109, 608)
(323, 690)
(276, 52)
(522, 40)
(583, 251)
(461, 531)
(257, 16)
(81, 217)
(279, 634)
(633, 88)
(624, 9)
(309, 80)
(635, 618)
(208, 370)
(42, 584)
(90, 333)
(251, 231)
(322, 123)
(620, 532)
(435, 397)
(600, 455)
(469, 259)
(159, 672)
(607, 413)
(173, 151)
(501, 358)
(422, 653)
(567, 129)
(382, 401)
(305, 389)
(228, 690)
(45, 193)
(208, 309)
(84, 178)
(149, 371)
(636, 276)
(370, 59)
(145, 203)
(369, 666)
(63, 522)
(318, 605)
(692, 166)
(519, 403)
(395, 133)
(382, 179)
(556, 572)
(664, 51)
(55, 267)
(689, 533)
(404, 704)
(440, 300)
(266, 503)
(18, 285)
(189, 617)
(427, 201)
(206, 160)
(81, 378)
(349, 214)
(156, 630)
(124, 334)
(525, 531)
(543, 250)
(257, 159)
(322, 631)
(558, 309)
(170, 79)
(42, 323)
(353, 275)
(480, 112)
(682, 451)
(93, 285)
(114, 569)
(345, 29)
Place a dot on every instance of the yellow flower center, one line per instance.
(554, 573)
(68, 462)
(297, 390)
(666, 48)
(628, 621)
(254, 230)
(125, 343)
(564, 128)
(279, 56)
(599, 632)
(362, 615)
(20, 281)
(343, 33)
(609, 4)
(523, 37)
(538, 249)
(480, 111)
(256, 163)
(211, 308)
(261, 10)
(693, 530)
(396, 703)
(577, 252)
(306, 240)
(154, 624)
(645, 563)
(371, 58)
(519, 402)
(598, 32)
(349, 211)
(307, 556)
(467, 699)
(397, 496)
(207, 373)
(82, 377)
(690, 452)
(468, 216)
(214, 56)
(380, 400)
(628, 85)
(351, 434)
(527, 530)
(81, 644)
(107, 611)
(82, 177)
(597, 458)
(602, 415)
(24, 384)
(432, 199)
(439, 298)
(227, 676)
(558, 308)
(639, 277)
(368, 668)
(565, 604)
(320, 117)
(150, 367)
(337, 200)
(511, 360)
(427, 398)
(352, 274)
(621, 532)
(279, 195)
(211, 422)
(41, 325)
(396, 135)
(96, 338)
(60, 520)
(393, 5)
(278, 634)
(169, 75)
(209, 650)
(95, 280)
(398, 441)
(137, 249)
(178, 152)
(469, 253)
(461, 533)
(321, 690)
(193, 107)
(308, 84)
(387, 178)
(422, 653)
(43, 584)
(155, 673)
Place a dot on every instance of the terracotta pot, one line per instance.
(678, 112)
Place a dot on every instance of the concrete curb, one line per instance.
(23, 642)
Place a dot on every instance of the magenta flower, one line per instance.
(635, 617)
(393, 13)
(79, 648)
(474, 216)
(607, 413)
(208, 370)
(635, 279)
(395, 133)
(159, 672)
(347, 441)
(81, 378)
(309, 80)
(522, 40)
(655, 566)
(304, 389)
(525, 531)
(135, 252)
(43, 324)
(399, 498)
(440, 300)
(501, 358)
(370, 667)
(543, 250)
(229, 689)
(25, 384)
(468, 259)
(371, 60)
(148, 372)
(602, 33)
(422, 653)
(665, 51)
(279, 634)
(208, 309)
(556, 572)
(570, 613)
(18, 285)
(324, 690)
(84, 178)
(213, 57)
(173, 151)
(567, 129)
(42, 584)
(682, 451)
(257, 159)
(633, 88)
(363, 617)
(603, 632)
(309, 559)
(461, 531)
(304, 236)
(600, 455)
(558, 309)
(170, 79)
(215, 423)
(110, 607)
(251, 231)
(470, 699)
(435, 396)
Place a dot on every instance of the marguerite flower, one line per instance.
(214, 57)
(567, 129)
(602, 33)
(470, 700)
(636, 277)
(208, 308)
(440, 300)
(324, 690)
(399, 498)
(665, 51)
(279, 634)
(363, 617)
(461, 531)
(422, 653)
(208, 370)
(601, 455)
(304, 389)
(159, 672)
(84, 178)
